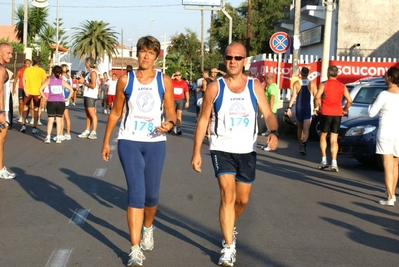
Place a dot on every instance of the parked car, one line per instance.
(357, 139)
(361, 92)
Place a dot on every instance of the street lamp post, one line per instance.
(57, 29)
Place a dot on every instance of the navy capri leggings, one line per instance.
(142, 163)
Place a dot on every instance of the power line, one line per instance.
(107, 7)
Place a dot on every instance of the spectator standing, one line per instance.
(90, 94)
(5, 57)
(272, 92)
(34, 77)
(328, 105)
(111, 92)
(214, 72)
(303, 92)
(19, 82)
(182, 99)
(104, 92)
(232, 102)
(66, 119)
(75, 85)
(148, 97)
(387, 106)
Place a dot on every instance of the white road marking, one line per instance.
(59, 257)
(100, 172)
(79, 216)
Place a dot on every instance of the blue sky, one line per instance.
(136, 17)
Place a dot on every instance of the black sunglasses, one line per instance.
(237, 58)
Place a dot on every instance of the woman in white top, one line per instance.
(66, 117)
(386, 104)
(90, 94)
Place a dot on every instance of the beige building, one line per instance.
(359, 28)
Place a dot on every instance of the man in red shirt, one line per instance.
(182, 99)
(328, 104)
(21, 93)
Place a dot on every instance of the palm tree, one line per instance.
(175, 62)
(36, 22)
(95, 39)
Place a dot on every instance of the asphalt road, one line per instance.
(66, 207)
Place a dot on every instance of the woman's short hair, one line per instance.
(393, 72)
(65, 68)
(149, 42)
(91, 61)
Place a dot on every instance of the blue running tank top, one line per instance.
(304, 100)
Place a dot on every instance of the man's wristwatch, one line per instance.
(275, 132)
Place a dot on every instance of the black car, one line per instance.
(357, 139)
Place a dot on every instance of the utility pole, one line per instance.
(248, 41)
(202, 40)
(325, 59)
(295, 53)
(121, 52)
(13, 12)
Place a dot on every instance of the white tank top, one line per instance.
(89, 92)
(144, 110)
(234, 124)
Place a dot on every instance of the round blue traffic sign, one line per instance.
(280, 42)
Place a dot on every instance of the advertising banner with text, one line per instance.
(349, 71)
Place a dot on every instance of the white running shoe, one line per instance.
(85, 134)
(147, 238)
(322, 165)
(92, 135)
(136, 256)
(67, 137)
(39, 123)
(266, 148)
(47, 140)
(334, 168)
(387, 202)
(5, 174)
(35, 130)
(61, 137)
(20, 119)
(228, 257)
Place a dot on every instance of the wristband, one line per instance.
(275, 132)
(288, 107)
(173, 123)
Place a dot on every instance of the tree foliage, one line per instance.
(184, 53)
(95, 39)
(36, 22)
(264, 14)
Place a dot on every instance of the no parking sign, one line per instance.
(280, 42)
